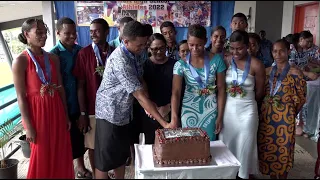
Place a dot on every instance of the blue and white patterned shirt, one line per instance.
(314, 53)
(300, 59)
(114, 98)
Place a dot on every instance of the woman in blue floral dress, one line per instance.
(200, 106)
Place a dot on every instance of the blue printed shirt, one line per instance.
(67, 63)
(114, 100)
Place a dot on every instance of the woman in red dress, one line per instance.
(37, 79)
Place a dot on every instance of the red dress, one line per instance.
(51, 155)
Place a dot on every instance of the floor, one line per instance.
(304, 160)
(309, 145)
(305, 157)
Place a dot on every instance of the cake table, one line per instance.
(224, 165)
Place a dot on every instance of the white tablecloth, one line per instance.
(224, 165)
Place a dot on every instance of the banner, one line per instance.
(182, 14)
(87, 11)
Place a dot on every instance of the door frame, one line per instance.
(297, 19)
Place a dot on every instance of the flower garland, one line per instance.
(206, 91)
(233, 90)
(99, 70)
(50, 88)
(273, 100)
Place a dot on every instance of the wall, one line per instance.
(13, 10)
(270, 22)
(243, 7)
(48, 18)
(261, 11)
(288, 17)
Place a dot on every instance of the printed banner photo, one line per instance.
(182, 14)
(87, 11)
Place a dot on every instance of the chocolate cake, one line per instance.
(181, 147)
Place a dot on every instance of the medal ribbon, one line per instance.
(279, 80)
(235, 73)
(39, 69)
(195, 73)
(97, 54)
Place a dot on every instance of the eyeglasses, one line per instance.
(184, 51)
(155, 50)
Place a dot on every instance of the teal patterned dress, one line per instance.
(199, 111)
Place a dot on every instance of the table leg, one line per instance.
(317, 167)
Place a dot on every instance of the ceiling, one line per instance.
(12, 2)
(13, 10)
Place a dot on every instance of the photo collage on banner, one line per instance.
(182, 14)
(87, 11)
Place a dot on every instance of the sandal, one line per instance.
(84, 175)
(111, 175)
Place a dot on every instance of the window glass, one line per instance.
(16, 47)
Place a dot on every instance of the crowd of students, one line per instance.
(242, 89)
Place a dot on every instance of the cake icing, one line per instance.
(181, 146)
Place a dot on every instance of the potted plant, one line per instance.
(25, 146)
(8, 167)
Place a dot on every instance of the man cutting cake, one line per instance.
(122, 82)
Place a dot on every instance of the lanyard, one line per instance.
(39, 69)
(97, 54)
(279, 80)
(195, 73)
(235, 73)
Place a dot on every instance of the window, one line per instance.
(16, 47)
(5, 70)
(11, 37)
(7, 91)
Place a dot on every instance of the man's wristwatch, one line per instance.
(83, 114)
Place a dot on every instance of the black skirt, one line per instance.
(112, 145)
(135, 123)
(148, 127)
